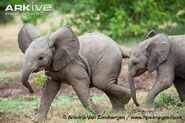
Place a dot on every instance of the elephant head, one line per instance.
(147, 56)
(56, 50)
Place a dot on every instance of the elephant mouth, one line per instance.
(35, 71)
(39, 69)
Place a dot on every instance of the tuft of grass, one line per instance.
(90, 108)
(18, 104)
(165, 100)
(14, 108)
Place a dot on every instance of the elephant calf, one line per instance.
(166, 55)
(91, 60)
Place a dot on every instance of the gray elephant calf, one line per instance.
(166, 55)
(91, 60)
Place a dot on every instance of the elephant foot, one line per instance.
(99, 110)
(117, 109)
(39, 118)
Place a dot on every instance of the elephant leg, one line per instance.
(49, 91)
(180, 87)
(119, 96)
(165, 76)
(78, 78)
(105, 79)
(82, 90)
(115, 102)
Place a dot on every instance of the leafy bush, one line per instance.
(64, 7)
(165, 100)
(117, 18)
(121, 18)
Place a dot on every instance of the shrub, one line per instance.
(116, 18)
(121, 19)
(165, 100)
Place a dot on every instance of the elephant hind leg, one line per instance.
(117, 105)
(80, 82)
(83, 93)
(119, 96)
(180, 87)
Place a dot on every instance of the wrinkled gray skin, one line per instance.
(91, 60)
(166, 55)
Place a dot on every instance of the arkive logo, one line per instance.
(28, 8)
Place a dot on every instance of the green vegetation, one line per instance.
(121, 19)
(165, 100)
(10, 109)
(27, 105)
(118, 18)
(41, 79)
(25, 108)
(90, 107)
(170, 102)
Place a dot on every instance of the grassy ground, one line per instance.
(23, 109)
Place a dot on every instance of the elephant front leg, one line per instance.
(180, 87)
(158, 87)
(165, 76)
(49, 91)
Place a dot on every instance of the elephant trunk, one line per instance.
(25, 75)
(132, 88)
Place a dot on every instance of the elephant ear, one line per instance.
(66, 47)
(26, 35)
(158, 49)
(152, 33)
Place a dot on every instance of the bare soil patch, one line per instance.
(11, 87)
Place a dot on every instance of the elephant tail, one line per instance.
(124, 54)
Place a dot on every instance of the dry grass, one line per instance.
(71, 106)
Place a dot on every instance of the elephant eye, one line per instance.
(135, 63)
(41, 58)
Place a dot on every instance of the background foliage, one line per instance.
(123, 18)
(116, 18)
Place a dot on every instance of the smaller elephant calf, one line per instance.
(91, 60)
(166, 55)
